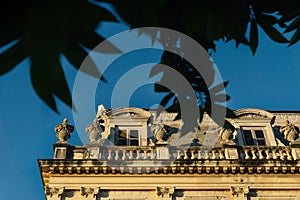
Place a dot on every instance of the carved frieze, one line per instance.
(165, 192)
(280, 118)
(239, 192)
(54, 192)
(90, 192)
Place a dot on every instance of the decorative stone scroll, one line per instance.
(226, 136)
(165, 192)
(98, 131)
(94, 131)
(54, 193)
(290, 131)
(239, 192)
(90, 193)
(160, 133)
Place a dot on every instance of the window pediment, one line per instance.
(253, 113)
(128, 112)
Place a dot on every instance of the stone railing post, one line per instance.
(295, 146)
(162, 151)
(231, 151)
(93, 151)
(60, 150)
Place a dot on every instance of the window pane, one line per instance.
(134, 134)
(122, 134)
(133, 143)
(249, 142)
(259, 134)
(261, 142)
(248, 137)
(248, 134)
(122, 142)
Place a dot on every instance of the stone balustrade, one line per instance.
(266, 153)
(127, 153)
(151, 153)
(113, 153)
(197, 153)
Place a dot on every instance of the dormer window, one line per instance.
(254, 127)
(254, 136)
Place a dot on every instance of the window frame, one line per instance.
(254, 137)
(127, 140)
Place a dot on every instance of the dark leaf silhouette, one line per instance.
(46, 30)
(253, 36)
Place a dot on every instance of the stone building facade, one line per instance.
(133, 154)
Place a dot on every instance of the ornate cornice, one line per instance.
(201, 167)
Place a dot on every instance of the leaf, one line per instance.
(295, 38)
(272, 32)
(156, 69)
(76, 55)
(7, 36)
(166, 99)
(230, 113)
(48, 80)
(94, 40)
(267, 18)
(160, 88)
(290, 15)
(253, 36)
(218, 87)
(11, 57)
(295, 24)
(221, 98)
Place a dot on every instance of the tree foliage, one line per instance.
(46, 30)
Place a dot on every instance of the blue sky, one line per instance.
(269, 80)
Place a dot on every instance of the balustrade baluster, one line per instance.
(109, 154)
(260, 154)
(124, 154)
(186, 155)
(253, 151)
(213, 152)
(281, 154)
(192, 154)
(247, 156)
(117, 154)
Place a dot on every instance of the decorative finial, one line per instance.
(64, 130)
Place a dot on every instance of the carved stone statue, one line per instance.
(64, 130)
(290, 131)
(95, 130)
(160, 133)
(226, 136)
